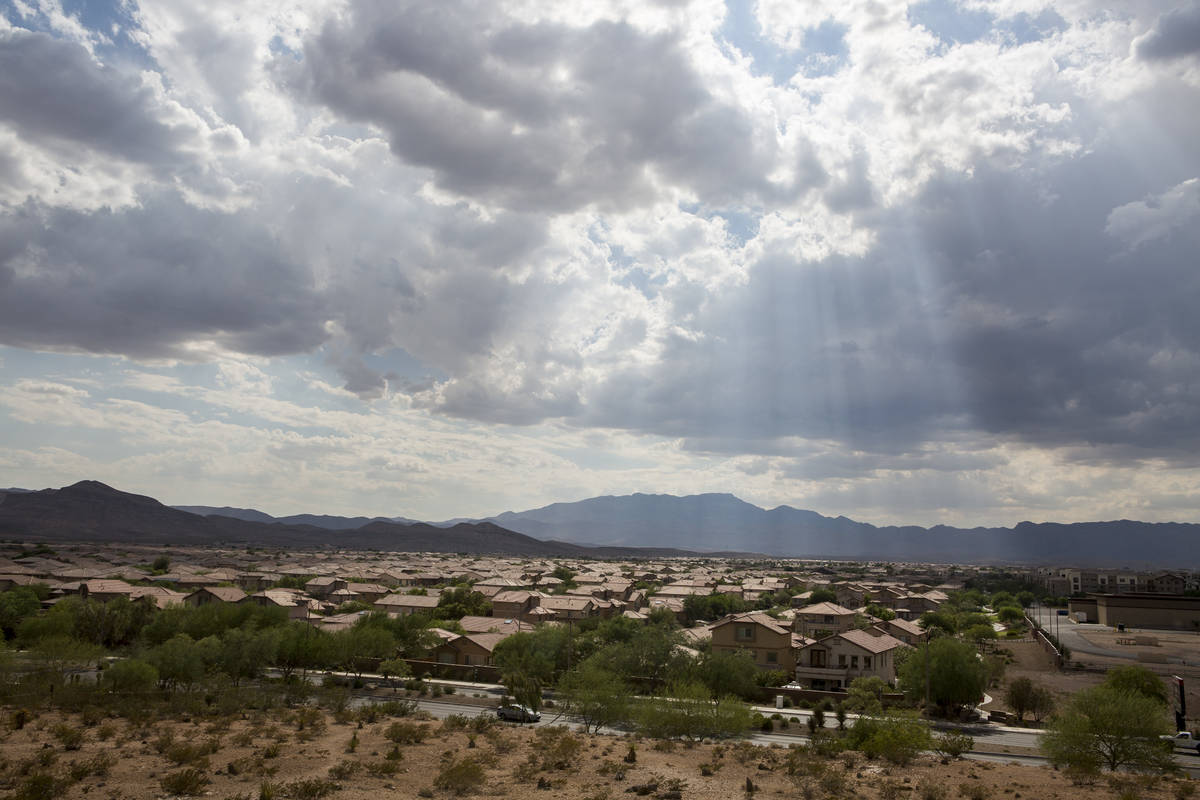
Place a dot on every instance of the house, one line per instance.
(908, 632)
(471, 624)
(214, 594)
(406, 604)
(514, 603)
(836, 660)
(470, 649)
(822, 619)
(366, 592)
(324, 586)
(767, 640)
(297, 605)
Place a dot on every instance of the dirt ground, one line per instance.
(269, 755)
(1032, 661)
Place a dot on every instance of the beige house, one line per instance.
(822, 619)
(406, 604)
(835, 661)
(471, 649)
(769, 642)
(214, 594)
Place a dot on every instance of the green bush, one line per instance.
(406, 733)
(460, 776)
(896, 739)
(189, 781)
(309, 789)
(68, 735)
(952, 744)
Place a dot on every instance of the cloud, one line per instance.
(52, 91)
(1175, 34)
(535, 115)
(1155, 217)
(149, 282)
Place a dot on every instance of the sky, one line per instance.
(929, 262)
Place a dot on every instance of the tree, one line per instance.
(160, 565)
(1019, 697)
(1108, 727)
(393, 669)
(1139, 680)
(527, 664)
(462, 601)
(299, 647)
(712, 606)
(130, 676)
(879, 612)
(822, 596)
(595, 694)
(688, 711)
(180, 662)
(728, 673)
(58, 654)
(244, 653)
(938, 620)
(865, 695)
(952, 671)
(15, 605)
(362, 646)
(1010, 614)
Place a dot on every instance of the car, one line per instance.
(515, 713)
(1183, 740)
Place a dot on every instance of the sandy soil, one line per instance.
(283, 747)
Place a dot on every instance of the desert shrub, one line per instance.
(309, 789)
(39, 786)
(891, 790)
(181, 753)
(952, 744)
(68, 735)
(455, 722)
(189, 781)
(558, 747)
(460, 776)
(343, 769)
(97, 765)
(1184, 790)
(973, 791)
(382, 768)
(406, 732)
(896, 739)
(930, 789)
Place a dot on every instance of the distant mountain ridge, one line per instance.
(711, 521)
(93, 511)
(705, 523)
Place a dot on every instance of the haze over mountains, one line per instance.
(639, 524)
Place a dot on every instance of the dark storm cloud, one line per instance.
(144, 281)
(985, 307)
(534, 116)
(1175, 34)
(52, 90)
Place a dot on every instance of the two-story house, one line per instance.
(835, 661)
(822, 619)
(770, 643)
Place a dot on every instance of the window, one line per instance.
(772, 657)
(745, 633)
(827, 618)
(866, 662)
(841, 659)
(854, 662)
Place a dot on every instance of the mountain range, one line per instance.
(647, 525)
(93, 511)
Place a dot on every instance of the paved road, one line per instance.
(987, 737)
